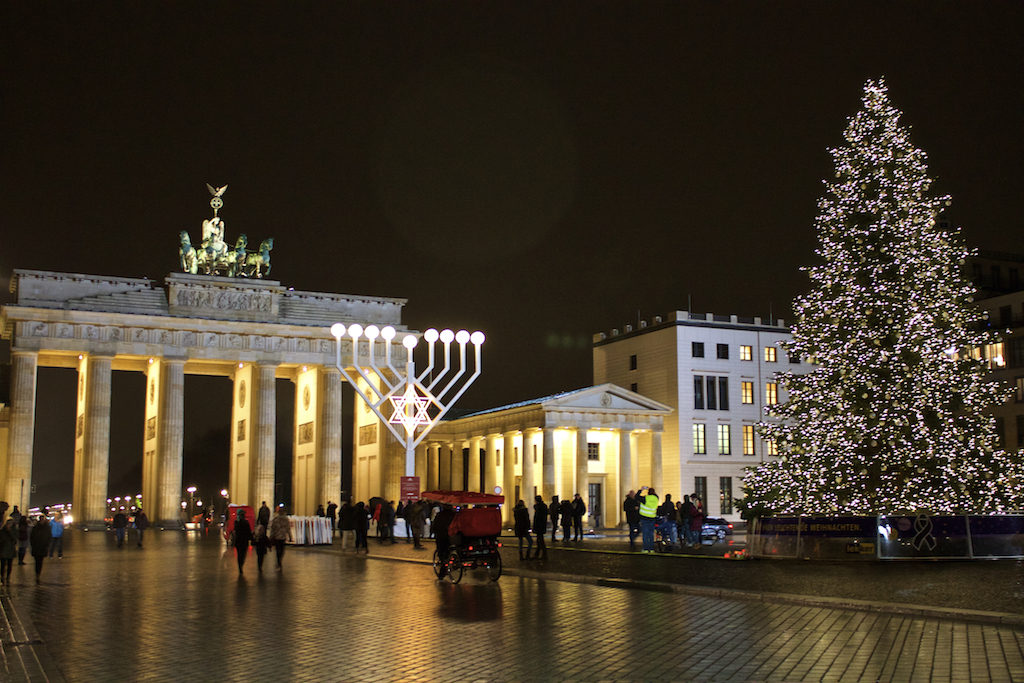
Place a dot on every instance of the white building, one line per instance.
(717, 373)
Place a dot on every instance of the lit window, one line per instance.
(724, 445)
(699, 442)
(700, 487)
(770, 447)
(593, 451)
(770, 354)
(748, 439)
(725, 494)
(746, 353)
(771, 393)
(747, 392)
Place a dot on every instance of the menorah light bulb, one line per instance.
(430, 335)
(388, 333)
(447, 336)
(462, 336)
(477, 338)
(355, 330)
(338, 330)
(371, 332)
(409, 341)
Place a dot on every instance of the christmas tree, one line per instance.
(892, 417)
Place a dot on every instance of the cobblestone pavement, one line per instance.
(178, 610)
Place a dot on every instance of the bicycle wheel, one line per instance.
(438, 566)
(494, 566)
(454, 567)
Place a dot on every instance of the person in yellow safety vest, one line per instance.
(648, 510)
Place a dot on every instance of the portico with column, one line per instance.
(588, 441)
(252, 332)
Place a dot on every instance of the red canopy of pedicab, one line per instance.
(463, 497)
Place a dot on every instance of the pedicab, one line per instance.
(472, 534)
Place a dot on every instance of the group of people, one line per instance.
(354, 521)
(679, 522)
(266, 534)
(569, 513)
(120, 523)
(19, 535)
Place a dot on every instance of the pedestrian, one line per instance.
(261, 543)
(120, 525)
(22, 536)
(243, 535)
(361, 520)
(668, 511)
(565, 517)
(15, 514)
(57, 536)
(522, 528)
(387, 520)
(553, 512)
(686, 510)
(414, 519)
(631, 506)
(8, 548)
(280, 531)
(263, 516)
(347, 524)
(141, 524)
(540, 525)
(648, 511)
(697, 521)
(320, 511)
(4, 505)
(441, 540)
(40, 542)
(579, 508)
(332, 510)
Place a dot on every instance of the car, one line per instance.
(715, 528)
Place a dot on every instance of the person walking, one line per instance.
(540, 525)
(263, 516)
(141, 524)
(8, 548)
(120, 525)
(686, 511)
(668, 511)
(280, 531)
(347, 524)
(261, 543)
(522, 528)
(57, 536)
(414, 520)
(40, 540)
(361, 520)
(332, 511)
(565, 517)
(631, 507)
(243, 535)
(553, 511)
(579, 508)
(22, 536)
(648, 511)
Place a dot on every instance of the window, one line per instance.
(593, 451)
(515, 451)
(725, 494)
(746, 392)
(1019, 381)
(723, 393)
(535, 452)
(700, 489)
(699, 442)
(723, 351)
(748, 439)
(632, 362)
(724, 445)
(770, 354)
(497, 458)
(746, 353)
(771, 393)
(1001, 432)
(698, 392)
(697, 349)
(712, 401)
(770, 447)
(632, 387)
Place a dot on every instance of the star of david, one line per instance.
(410, 410)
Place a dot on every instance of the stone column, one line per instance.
(582, 464)
(433, 457)
(457, 482)
(548, 466)
(422, 456)
(474, 464)
(96, 444)
(625, 465)
(264, 434)
(657, 478)
(491, 463)
(329, 457)
(170, 445)
(18, 468)
(444, 466)
(508, 485)
(526, 457)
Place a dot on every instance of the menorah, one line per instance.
(418, 402)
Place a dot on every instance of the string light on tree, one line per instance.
(892, 418)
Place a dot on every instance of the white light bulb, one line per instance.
(355, 330)
(447, 336)
(372, 332)
(388, 333)
(430, 335)
(462, 336)
(338, 330)
(409, 341)
(477, 337)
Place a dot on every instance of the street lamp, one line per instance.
(416, 401)
(191, 498)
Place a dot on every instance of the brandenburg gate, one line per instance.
(251, 330)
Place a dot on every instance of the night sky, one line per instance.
(539, 171)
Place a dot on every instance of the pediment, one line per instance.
(610, 397)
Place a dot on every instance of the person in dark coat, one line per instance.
(440, 526)
(22, 536)
(120, 525)
(40, 540)
(361, 519)
(8, 548)
(553, 511)
(579, 508)
(631, 506)
(263, 516)
(243, 535)
(347, 524)
(540, 525)
(261, 542)
(332, 510)
(565, 517)
(522, 528)
(141, 524)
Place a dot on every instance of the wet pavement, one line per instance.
(178, 609)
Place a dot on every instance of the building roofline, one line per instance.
(687, 319)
